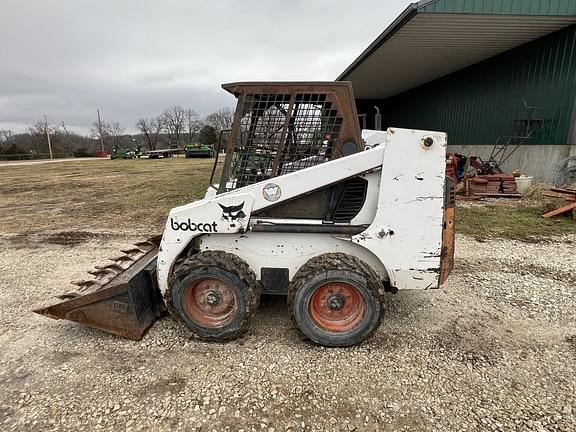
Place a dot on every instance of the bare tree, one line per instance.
(44, 129)
(63, 131)
(151, 129)
(64, 128)
(107, 130)
(221, 119)
(175, 122)
(41, 128)
(100, 131)
(116, 131)
(6, 137)
(193, 123)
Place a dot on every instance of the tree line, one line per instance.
(177, 124)
(174, 127)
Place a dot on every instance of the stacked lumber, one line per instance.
(494, 185)
(569, 197)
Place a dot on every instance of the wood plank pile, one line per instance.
(569, 197)
(494, 185)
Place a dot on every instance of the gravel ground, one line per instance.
(494, 350)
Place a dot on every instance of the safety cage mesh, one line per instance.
(280, 133)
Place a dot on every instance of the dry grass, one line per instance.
(118, 196)
(135, 196)
(520, 220)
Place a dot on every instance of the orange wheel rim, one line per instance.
(337, 307)
(210, 302)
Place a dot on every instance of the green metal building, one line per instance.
(477, 69)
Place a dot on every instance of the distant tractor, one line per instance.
(123, 153)
(199, 151)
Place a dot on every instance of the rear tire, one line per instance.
(335, 300)
(215, 294)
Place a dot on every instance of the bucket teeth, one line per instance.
(112, 266)
(145, 246)
(69, 295)
(102, 272)
(134, 250)
(84, 287)
(122, 258)
(87, 283)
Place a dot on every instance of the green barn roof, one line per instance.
(432, 39)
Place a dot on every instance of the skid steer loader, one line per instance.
(307, 206)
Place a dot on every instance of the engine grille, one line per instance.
(350, 201)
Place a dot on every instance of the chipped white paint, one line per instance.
(286, 250)
(406, 233)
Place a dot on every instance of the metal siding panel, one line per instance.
(473, 101)
(503, 7)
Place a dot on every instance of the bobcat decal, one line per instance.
(232, 213)
(271, 192)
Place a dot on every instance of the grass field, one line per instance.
(135, 196)
(119, 195)
(511, 219)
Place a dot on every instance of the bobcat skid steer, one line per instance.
(307, 206)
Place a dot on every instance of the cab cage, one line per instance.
(283, 127)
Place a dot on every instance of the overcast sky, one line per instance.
(134, 58)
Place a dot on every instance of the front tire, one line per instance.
(335, 300)
(215, 294)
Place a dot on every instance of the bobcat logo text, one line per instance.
(188, 225)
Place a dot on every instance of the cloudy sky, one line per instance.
(133, 58)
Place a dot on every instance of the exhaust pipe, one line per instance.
(378, 119)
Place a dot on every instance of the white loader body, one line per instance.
(308, 206)
(402, 217)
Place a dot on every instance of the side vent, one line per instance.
(350, 200)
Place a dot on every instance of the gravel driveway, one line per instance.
(494, 350)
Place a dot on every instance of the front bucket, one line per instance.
(126, 306)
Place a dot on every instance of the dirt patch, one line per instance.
(470, 340)
(516, 267)
(72, 238)
(5, 413)
(60, 357)
(62, 238)
(165, 385)
(571, 340)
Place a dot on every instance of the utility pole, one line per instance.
(100, 130)
(48, 136)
